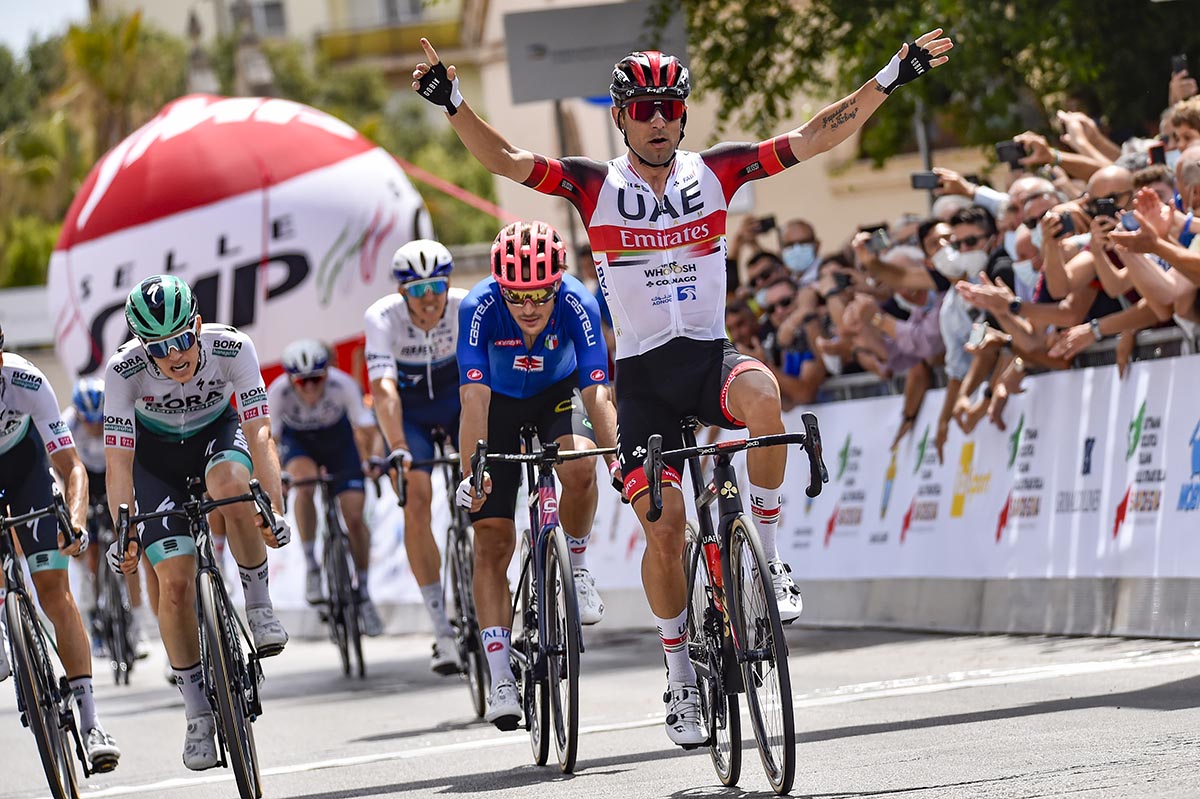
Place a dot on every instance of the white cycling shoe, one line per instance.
(372, 622)
(504, 706)
(683, 715)
(314, 593)
(267, 631)
(200, 743)
(102, 750)
(5, 668)
(787, 595)
(591, 605)
(445, 657)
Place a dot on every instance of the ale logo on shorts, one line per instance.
(474, 374)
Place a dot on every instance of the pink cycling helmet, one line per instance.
(528, 255)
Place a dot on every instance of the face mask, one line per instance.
(947, 261)
(905, 304)
(1010, 244)
(760, 297)
(800, 257)
(972, 263)
(1172, 158)
(1035, 237)
(1024, 272)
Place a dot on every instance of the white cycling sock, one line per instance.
(764, 509)
(254, 585)
(674, 637)
(496, 641)
(578, 549)
(310, 554)
(190, 682)
(436, 607)
(81, 687)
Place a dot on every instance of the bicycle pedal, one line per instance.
(270, 650)
(103, 765)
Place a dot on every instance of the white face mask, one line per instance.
(946, 261)
(1010, 244)
(912, 307)
(973, 262)
(1024, 272)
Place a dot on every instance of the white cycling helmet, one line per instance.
(421, 259)
(305, 358)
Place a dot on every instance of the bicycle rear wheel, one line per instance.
(558, 602)
(533, 686)
(229, 684)
(764, 667)
(706, 648)
(343, 598)
(470, 653)
(34, 676)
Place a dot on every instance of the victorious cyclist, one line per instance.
(411, 337)
(656, 223)
(319, 421)
(533, 352)
(169, 417)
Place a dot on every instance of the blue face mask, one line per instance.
(800, 257)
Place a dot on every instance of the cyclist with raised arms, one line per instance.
(320, 422)
(30, 429)
(169, 417)
(532, 353)
(411, 336)
(656, 223)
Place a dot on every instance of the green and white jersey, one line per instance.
(27, 398)
(134, 387)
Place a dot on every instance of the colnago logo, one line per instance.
(27, 380)
(130, 367)
(665, 239)
(226, 348)
(528, 363)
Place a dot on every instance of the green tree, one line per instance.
(1014, 61)
(26, 243)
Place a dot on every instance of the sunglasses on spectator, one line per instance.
(762, 276)
(786, 302)
(522, 296)
(967, 241)
(419, 288)
(308, 380)
(643, 110)
(161, 348)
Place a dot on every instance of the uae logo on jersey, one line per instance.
(528, 363)
(551, 342)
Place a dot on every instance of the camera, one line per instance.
(880, 240)
(1179, 63)
(1157, 153)
(1105, 206)
(764, 223)
(1068, 225)
(1010, 152)
(925, 180)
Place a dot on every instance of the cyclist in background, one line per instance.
(655, 218)
(169, 417)
(411, 336)
(532, 353)
(30, 429)
(320, 422)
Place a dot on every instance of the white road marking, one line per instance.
(845, 694)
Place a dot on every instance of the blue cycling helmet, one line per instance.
(88, 399)
(421, 259)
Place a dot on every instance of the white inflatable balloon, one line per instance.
(282, 218)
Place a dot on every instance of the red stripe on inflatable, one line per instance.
(446, 187)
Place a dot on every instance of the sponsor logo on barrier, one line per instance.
(843, 458)
(967, 482)
(889, 477)
(1089, 444)
(1189, 492)
(922, 445)
(1014, 442)
(1083, 501)
(1134, 436)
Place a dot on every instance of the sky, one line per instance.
(21, 19)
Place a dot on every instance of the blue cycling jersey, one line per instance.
(492, 350)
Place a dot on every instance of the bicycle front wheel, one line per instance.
(562, 648)
(462, 560)
(117, 627)
(764, 650)
(38, 697)
(706, 625)
(533, 685)
(343, 598)
(228, 683)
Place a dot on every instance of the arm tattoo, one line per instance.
(839, 115)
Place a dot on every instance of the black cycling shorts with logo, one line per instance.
(558, 411)
(26, 485)
(162, 468)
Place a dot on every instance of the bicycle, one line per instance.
(341, 611)
(44, 698)
(113, 619)
(545, 656)
(733, 621)
(231, 676)
(459, 570)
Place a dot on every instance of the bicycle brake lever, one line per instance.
(654, 463)
(818, 475)
(263, 503)
(63, 517)
(478, 465)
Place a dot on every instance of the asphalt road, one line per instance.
(879, 714)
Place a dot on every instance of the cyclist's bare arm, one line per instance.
(387, 411)
(364, 439)
(265, 458)
(598, 401)
(70, 469)
(485, 143)
(473, 422)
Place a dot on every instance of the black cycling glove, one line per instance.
(898, 73)
(436, 87)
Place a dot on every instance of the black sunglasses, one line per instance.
(786, 302)
(967, 241)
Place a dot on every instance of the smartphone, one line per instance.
(1010, 152)
(1129, 221)
(978, 332)
(1179, 63)
(879, 241)
(925, 180)
(1068, 225)
(764, 223)
(841, 280)
(1105, 206)
(1157, 153)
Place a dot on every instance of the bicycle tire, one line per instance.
(767, 678)
(466, 625)
(533, 689)
(718, 707)
(336, 602)
(228, 685)
(117, 628)
(562, 649)
(347, 603)
(39, 698)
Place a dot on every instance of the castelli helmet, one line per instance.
(305, 358)
(421, 259)
(528, 255)
(160, 306)
(88, 399)
(649, 73)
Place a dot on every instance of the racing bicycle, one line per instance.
(545, 655)
(44, 698)
(735, 638)
(113, 619)
(232, 668)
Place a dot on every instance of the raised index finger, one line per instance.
(430, 54)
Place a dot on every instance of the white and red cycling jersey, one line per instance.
(661, 261)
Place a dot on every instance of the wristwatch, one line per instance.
(1014, 307)
(1095, 326)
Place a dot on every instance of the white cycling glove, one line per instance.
(464, 497)
(400, 457)
(897, 73)
(114, 558)
(282, 531)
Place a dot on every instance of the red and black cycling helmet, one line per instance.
(649, 73)
(528, 255)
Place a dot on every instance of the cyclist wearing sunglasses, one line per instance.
(169, 417)
(30, 429)
(532, 352)
(411, 339)
(656, 223)
(319, 422)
